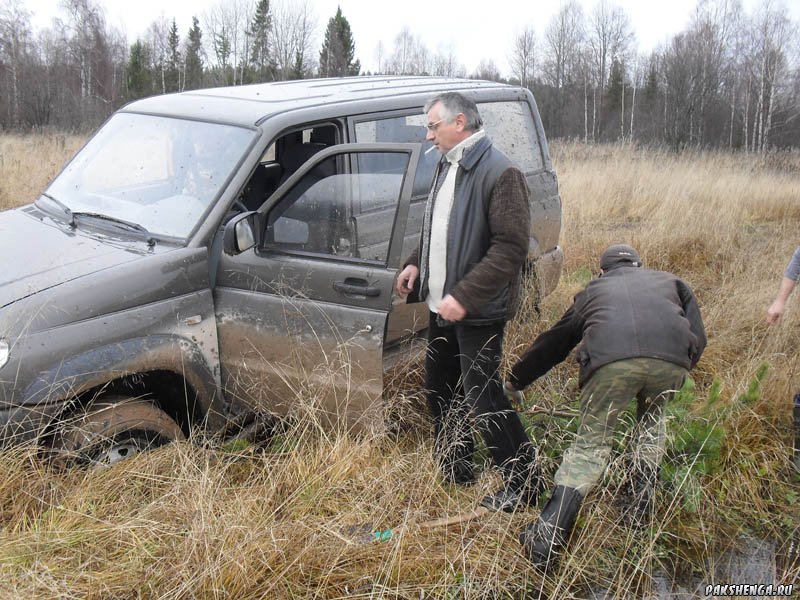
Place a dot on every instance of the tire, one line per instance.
(114, 429)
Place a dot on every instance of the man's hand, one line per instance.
(406, 280)
(515, 396)
(450, 309)
(775, 311)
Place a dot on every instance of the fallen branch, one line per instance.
(367, 533)
(553, 412)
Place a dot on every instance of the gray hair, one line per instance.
(454, 103)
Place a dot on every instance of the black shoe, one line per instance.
(508, 500)
(547, 536)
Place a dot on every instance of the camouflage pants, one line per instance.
(604, 396)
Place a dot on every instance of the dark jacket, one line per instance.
(487, 235)
(628, 312)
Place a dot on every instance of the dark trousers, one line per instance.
(463, 383)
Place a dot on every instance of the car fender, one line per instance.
(72, 376)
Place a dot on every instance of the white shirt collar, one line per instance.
(456, 153)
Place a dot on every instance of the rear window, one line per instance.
(511, 127)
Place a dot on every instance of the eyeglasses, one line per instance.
(434, 126)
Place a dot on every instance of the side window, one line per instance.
(332, 213)
(405, 128)
(283, 157)
(408, 129)
(512, 129)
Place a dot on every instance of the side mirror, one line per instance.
(241, 233)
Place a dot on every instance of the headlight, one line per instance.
(3, 353)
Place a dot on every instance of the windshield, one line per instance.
(156, 172)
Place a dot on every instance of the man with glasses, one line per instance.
(474, 241)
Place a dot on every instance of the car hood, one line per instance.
(37, 253)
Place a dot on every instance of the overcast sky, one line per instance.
(477, 30)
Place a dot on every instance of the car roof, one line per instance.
(249, 105)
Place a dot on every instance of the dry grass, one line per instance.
(193, 521)
(29, 162)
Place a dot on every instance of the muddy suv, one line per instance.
(216, 254)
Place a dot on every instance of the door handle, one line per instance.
(356, 287)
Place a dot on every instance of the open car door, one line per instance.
(302, 315)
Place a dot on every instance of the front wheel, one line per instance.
(112, 430)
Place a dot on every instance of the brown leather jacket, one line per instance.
(487, 235)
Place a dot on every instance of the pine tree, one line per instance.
(173, 59)
(139, 75)
(222, 49)
(616, 84)
(193, 66)
(338, 49)
(298, 70)
(260, 30)
(651, 87)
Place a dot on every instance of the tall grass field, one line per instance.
(287, 519)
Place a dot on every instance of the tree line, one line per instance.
(731, 79)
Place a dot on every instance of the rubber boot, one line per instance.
(638, 496)
(546, 537)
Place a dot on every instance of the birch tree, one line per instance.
(157, 40)
(523, 56)
(445, 63)
(771, 36)
(293, 37)
(609, 36)
(409, 55)
(227, 28)
(563, 37)
(15, 42)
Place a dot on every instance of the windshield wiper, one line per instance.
(67, 210)
(120, 223)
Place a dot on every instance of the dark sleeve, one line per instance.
(691, 311)
(549, 349)
(509, 230)
(413, 295)
(413, 259)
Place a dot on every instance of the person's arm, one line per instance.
(549, 349)
(788, 283)
(776, 309)
(509, 226)
(691, 311)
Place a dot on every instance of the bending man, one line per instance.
(639, 331)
